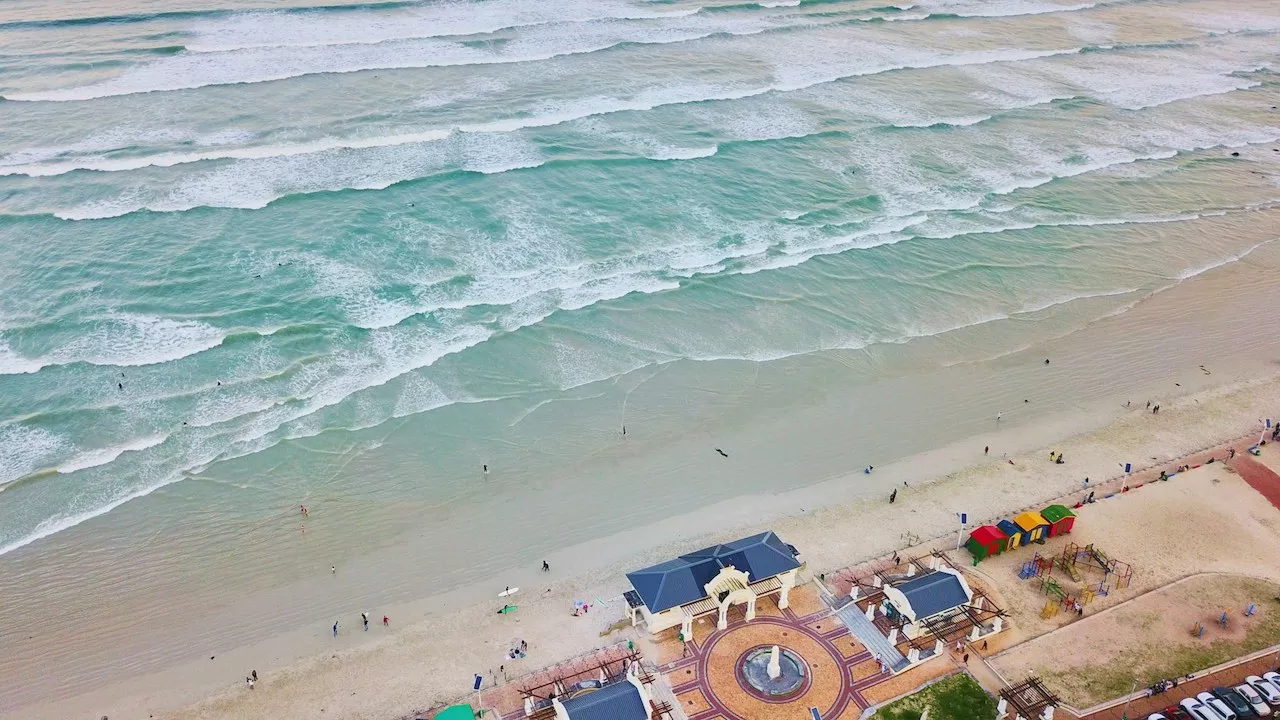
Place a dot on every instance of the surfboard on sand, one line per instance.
(509, 592)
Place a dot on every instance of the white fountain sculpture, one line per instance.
(774, 669)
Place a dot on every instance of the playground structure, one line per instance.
(1115, 574)
(1073, 563)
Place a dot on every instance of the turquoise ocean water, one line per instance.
(244, 242)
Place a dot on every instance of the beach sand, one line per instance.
(415, 666)
(798, 432)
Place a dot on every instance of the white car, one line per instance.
(1197, 710)
(1255, 700)
(1221, 708)
(1265, 688)
(1156, 716)
(1273, 678)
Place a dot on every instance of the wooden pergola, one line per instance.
(1027, 699)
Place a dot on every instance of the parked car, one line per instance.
(1235, 701)
(1217, 705)
(1265, 688)
(1173, 712)
(1198, 710)
(1156, 716)
(1252, 697)
(1273, 678)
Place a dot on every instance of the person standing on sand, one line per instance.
(386, 621)
(365, 617)
(545, 567)
(986, 450)
(333, 569)
(335, 628)
(999, 417)
(893, 496)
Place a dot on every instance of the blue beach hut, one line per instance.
(1014, 532)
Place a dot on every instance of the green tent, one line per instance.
(456, 712)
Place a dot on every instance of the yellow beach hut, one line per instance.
(1033, 525)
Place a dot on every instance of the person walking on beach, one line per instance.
(999, 417)
(365, 617)
(893, 496)
(966, 658)
(335, 628)
(986, 450)
(333, 569)
(545, 566)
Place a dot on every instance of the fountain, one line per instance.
(772, 673)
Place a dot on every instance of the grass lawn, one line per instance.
(1149, 661)
(958, 697)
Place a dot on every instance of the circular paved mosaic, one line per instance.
(824, 683)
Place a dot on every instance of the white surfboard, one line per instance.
(509, 592)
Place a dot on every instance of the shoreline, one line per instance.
(1207, 416)
(799, 432)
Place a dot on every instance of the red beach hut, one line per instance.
(986, 541)
(1061, 520)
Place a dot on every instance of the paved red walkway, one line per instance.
(1259, 476)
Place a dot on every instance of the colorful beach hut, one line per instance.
(1060, 519)
(986, 541)
(1034, 526)
(1012, 532)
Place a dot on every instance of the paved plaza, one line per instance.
(708, 685)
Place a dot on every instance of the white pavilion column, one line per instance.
(893, 636)
(875, 581)
(911, 569)
(723, 622)
(975, 632)
(1048, 713)
(913, 656)
(871, 612)
(937, 647)
(788, 582)
(978, 602)
(997, 625)
(751, 610)
(1002, 709)
(853, 592)
(686, 628)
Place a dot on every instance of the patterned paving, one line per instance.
(706, 681)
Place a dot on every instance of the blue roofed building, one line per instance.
(713, 579)
(928, 597)
(623, 699)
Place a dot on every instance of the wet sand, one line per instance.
(825, 506)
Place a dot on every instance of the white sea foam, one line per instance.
(24, 449)
(254, 65)
(684, 153)
(122, 340)
(105, 164)
(102, 456)
(276, 29)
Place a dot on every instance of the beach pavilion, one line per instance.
(928, 597)
(711, 580)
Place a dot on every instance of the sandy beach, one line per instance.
(417, 664)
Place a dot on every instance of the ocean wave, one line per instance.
(268, 28)
(120, 340)
(24, 449)
(256, 65)
(396, 356)
(102, 456)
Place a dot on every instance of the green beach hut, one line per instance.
(1060, 518)
(456, 712)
